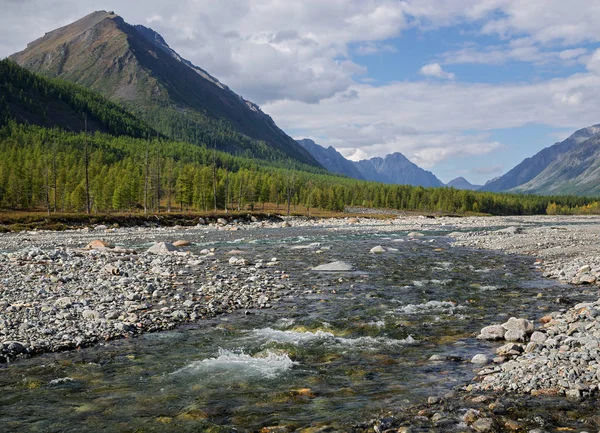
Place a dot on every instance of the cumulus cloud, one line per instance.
(436, 70)
(427, 120)
(544, 21)
(495, 55)
(353, 154)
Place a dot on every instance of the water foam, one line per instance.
(233, 366)
(444, 307)
(371, 343)
(269, 335)
(421, 283)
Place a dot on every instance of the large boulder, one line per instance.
(492, 333)
(517, 329)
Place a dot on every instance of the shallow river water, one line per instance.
(345, 347)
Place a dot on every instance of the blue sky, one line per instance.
(462, 88)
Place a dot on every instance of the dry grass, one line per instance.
(38, 219)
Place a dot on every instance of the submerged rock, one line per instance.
(337, 266)
(98, 245)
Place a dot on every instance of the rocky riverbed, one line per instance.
(78, 288)
(562, 356)
(58, 295)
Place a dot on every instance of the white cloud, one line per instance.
(436, 70)
(593, 63)
(353, 154)
(544, 21)
(155, 18)
(572, 54)
(525, 51)
(370, 48)
(427, 120)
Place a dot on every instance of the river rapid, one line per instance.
(339, 350)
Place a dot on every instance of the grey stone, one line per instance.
(538, 337)
(162, 248)
(91, 315)
(480, 359)
(64, 302)
(492, 332)
(337, 266)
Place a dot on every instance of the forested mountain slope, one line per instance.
(29, 98)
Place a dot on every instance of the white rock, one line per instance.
(338, 266)
(480, 359)
(492, 332)
(377, 250)
(538, 337)
(162, 248)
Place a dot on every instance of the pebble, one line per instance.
(100, 293)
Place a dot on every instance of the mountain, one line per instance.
(462, 183)
(393, 169)
(529, 168)
(576, 172)
(396, 169)
(331, 159)
(133, 65)
(36, 100)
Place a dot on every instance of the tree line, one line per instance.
(46, 168)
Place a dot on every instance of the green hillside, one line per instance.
(29, 98)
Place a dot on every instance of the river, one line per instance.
(342, 348)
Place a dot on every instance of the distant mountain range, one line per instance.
(462, 183)
(571, 166)
(393, 169)
(331, 159)
(133, 65)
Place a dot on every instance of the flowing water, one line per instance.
(347, 347)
